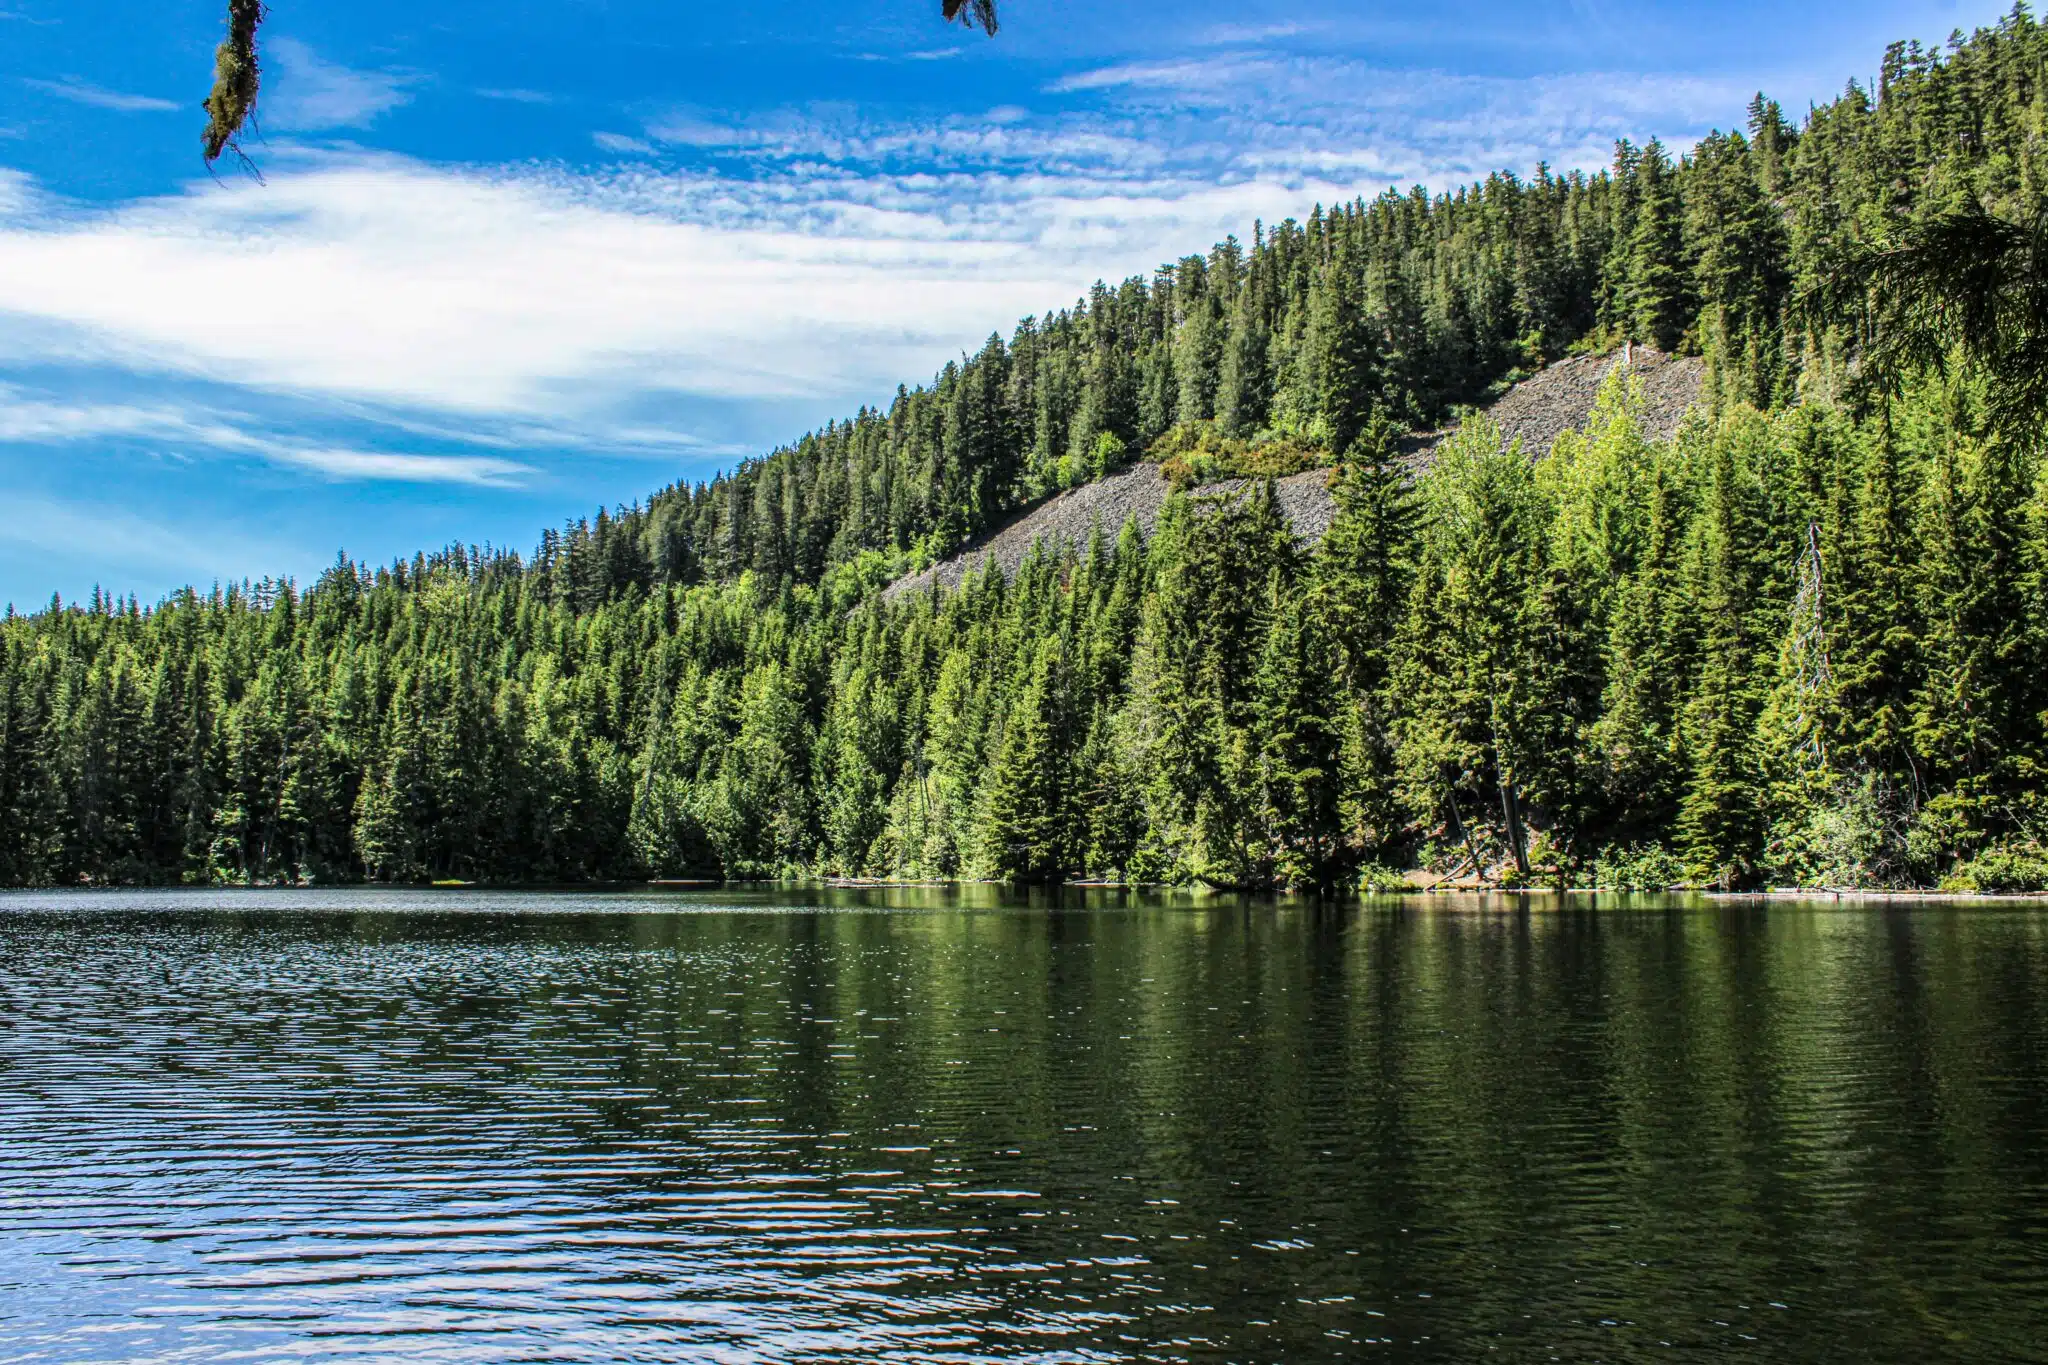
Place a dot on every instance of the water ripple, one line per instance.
(390, 1126)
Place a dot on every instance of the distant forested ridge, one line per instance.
(1802, 641)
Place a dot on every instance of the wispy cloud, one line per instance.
(354, 465)
(687, 129)
(622, 145)
(1275, 113)
(32, 420)
(800, 256)
(49, 539)
(546, 295)
(1187, 73)
(311, 94)
(936, 54)
(1222, 34)
(1295, 120)
(515, 96)
(99, 97)
(17, 192)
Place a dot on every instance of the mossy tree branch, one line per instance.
(236, 79)
(237, 75)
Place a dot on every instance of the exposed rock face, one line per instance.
(1537, 410)
(1534, 412)
(1139, 492)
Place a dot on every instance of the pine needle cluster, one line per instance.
(1965, 282)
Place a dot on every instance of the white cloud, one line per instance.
(937, 54)
(1188, 73)
(688, 130)
(1334, 97)
(1222, 34)
(17, 193)
(40, 421)
(82, 92)
(552, 297)
(29, 420)
(310, 94)
(385, 466)
(1228, 116)
(622, 145)
(516, 96)
(1281, 115)
(813, 254)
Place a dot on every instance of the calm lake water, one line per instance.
(913, 1126)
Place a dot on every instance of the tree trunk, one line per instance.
(1464, 833)
(1511, 810)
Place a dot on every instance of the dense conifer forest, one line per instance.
(1801, 642)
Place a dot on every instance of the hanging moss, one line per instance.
(236, 77)
(972, 12)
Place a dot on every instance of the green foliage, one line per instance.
(1196, 453)
(1719, 823)
(1638, 867)
(1477, 677)
(1299, 720)
(1499, 664)
(2009, 866)
(1655, 285)
(1027, 825)
(1799, 643)
(1855, 833)
(1963, 280)
(1376, 879)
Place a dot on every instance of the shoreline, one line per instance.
(1412, 892)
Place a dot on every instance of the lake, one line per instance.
(944, 1125)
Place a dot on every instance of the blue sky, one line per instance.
(509, 261)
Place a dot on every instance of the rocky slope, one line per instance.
(1537, 410)
(1534, 412)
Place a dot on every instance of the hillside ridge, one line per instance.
(1536, 412)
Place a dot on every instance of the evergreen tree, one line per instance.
(1719, 823)
(1301, 731)
(1638, 741)
(1361, 587)
(1027, 832)
(1798, 642)
(1466, 711)
(1656, 283)
(1341, 366)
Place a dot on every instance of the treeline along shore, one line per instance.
(1798, 640)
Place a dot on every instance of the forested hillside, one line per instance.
(1802, 641)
